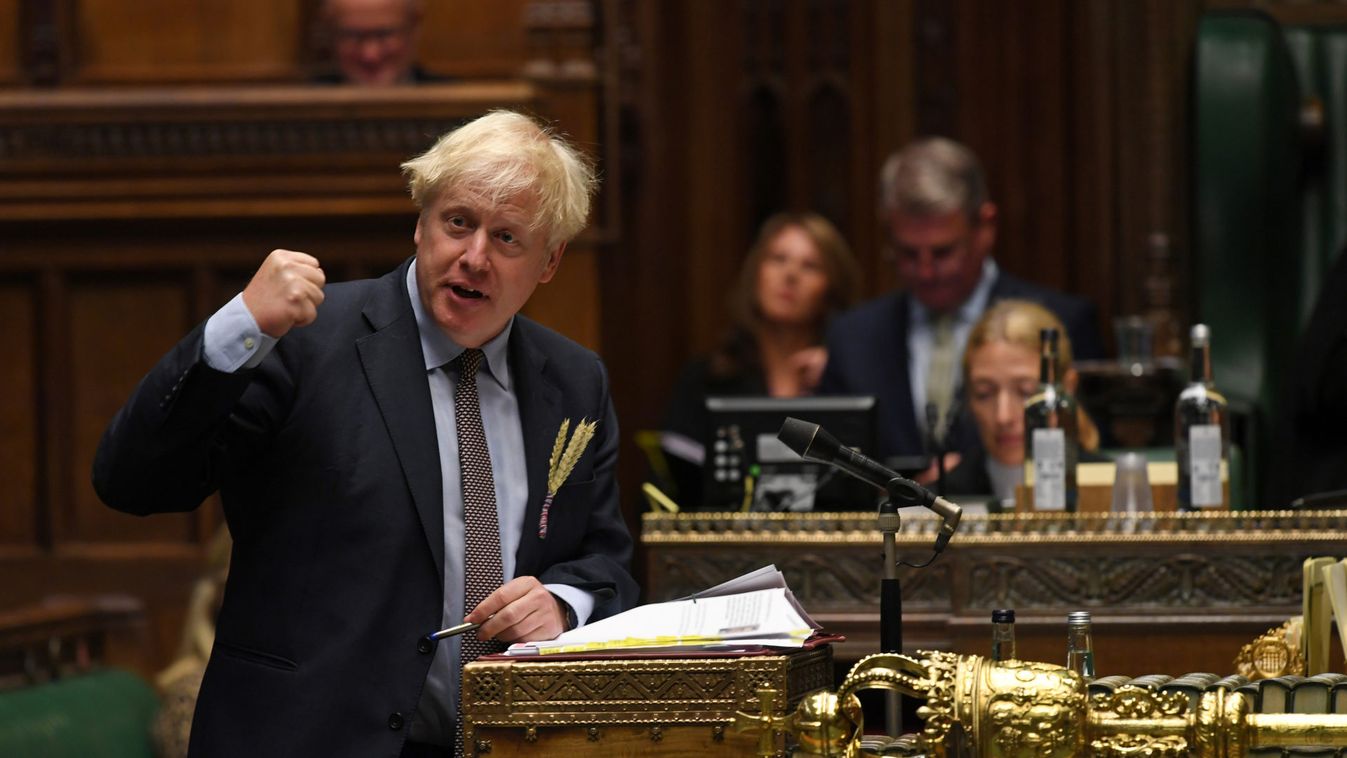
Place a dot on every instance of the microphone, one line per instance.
(810, 442)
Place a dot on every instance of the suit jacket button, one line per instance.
(424, 646)
(395, 721)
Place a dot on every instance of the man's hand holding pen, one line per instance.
(521, 610)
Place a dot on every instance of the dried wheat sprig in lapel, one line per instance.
(565, 454)
(557, 447)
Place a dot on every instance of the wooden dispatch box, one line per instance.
(629, 706)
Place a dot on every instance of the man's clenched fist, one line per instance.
(285, 292)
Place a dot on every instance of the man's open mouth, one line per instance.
(467, 292)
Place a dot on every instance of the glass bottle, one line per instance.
(1050, 435)
(1079, 645)
(1003, 634)
(1201, 432)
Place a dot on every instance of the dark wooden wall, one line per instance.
(706, 115)
(734, 110)
(150, 157)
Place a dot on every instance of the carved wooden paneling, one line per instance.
(130, 216)
(119, 326)
(823, 580)
(1128, 583)
(569, 303)
(10, 70)
(728, 112)
(475, 39)
(224, 152)
(1077, 110)
(1171, 594)
(19, 413)
(160, 41)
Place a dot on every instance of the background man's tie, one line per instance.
(940, 374)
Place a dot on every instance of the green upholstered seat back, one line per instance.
(106, 714)
(1269, 203)
(1319, 54)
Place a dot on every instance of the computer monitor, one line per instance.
(747, 464)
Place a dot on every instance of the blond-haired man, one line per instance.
(328, 417)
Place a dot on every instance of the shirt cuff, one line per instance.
(580, 601)
(233, 340)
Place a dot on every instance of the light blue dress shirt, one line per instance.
(232, 340)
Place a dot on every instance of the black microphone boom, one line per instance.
(810, 442)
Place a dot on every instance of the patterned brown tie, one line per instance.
(482, 572)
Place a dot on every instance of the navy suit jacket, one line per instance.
(328, 469)
(867, 355)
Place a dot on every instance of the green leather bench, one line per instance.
(1269, 153)
(103, 714)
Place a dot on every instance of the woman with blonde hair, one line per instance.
(1000, 372)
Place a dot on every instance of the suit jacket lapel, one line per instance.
(540, 415)
(395, 370)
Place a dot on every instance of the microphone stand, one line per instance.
(812, 443)
(891, 610)
(890, 590)
(936, 446)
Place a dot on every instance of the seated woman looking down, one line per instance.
(798, 274)
(1000, 367)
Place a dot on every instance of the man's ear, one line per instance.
(553, 262)
(1069, 381)
(986, 231)
(416, 236)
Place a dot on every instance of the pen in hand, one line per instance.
(466, 626)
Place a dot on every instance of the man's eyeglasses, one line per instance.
(382, 35)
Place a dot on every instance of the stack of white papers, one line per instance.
(754, 610)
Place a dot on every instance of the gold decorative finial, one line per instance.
(765, 722)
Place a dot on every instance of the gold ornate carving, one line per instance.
(765, 722)
(822, 581)
(1243, 565)
(1029, 709)
(1138, 746)
(1018, 709)
(649, 692)
(995, 529)
(1233, 712)
(939, 712)
(1137, 703)
(1190, 579)
(827, 724)
(1275, 653)
(205, 138)
(487, 688)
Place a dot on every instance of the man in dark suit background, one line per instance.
(906, 347)
(328, 418)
